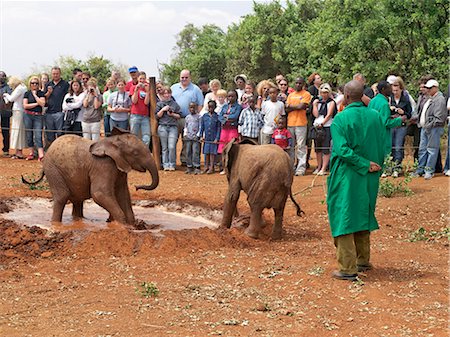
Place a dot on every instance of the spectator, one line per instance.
(119, 106)
(44, 80)
(139, 118)
(296, 105)
(72, 104)
(368, 93)
(220, 102)
(315, 81)
(324, 110)
(358, 153)
(111, 87)
(284, 90)
(55, 90)
(204, 86)
(77, 74)
(17, 140)
(215, 86)
(134, 74)
(432, 121)
(271, 110)
(167, 114)
(249, 91)
(380, 103)
(210, 135)
(374, 89)
(33, 103)
(250, 122)
(339, 97)
(192, 140)
(92, 112)
(115, 76)
(5, 113)
(85, 76)
(400, 105)
(185, 92)
(262, 89)
(281, 77)
(228, 117)
(240, 81)
(281, 136)
(159, 86)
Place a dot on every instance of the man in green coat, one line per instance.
(357, 156)
(381, 104)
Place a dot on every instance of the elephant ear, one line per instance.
(227, 161)
(110, 147)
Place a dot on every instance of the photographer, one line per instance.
(119, 104)
(168, 114)
(92, 113)
(72, 104)
(139, 118)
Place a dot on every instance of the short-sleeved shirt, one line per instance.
(55, 100)
(28, 95)
(129, 85)
(298, 117)
(92, 115)
(140, 108)
(119, 99)
(281, 137)
(186, 96)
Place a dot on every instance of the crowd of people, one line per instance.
(206, 117)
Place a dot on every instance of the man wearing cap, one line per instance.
(431, 120)
(134, 74)
(380, 103)
(357, 156)
(185, 93)
(241, 81)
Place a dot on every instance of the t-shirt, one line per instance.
(90, 114)
(55, 100)
(139, 108)
(298, 117)
(186, 96)
(129, 85)
(119, 99)
(28, 95)
(281, 137)
(271, 111)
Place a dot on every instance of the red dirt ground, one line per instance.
(213, 282)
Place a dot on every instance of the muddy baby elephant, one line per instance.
(78, 169)
(265, 174)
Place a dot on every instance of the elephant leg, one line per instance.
(277, 229)
(108, 201)
(229, 206)
(124, 198)
(60, 195)
(77, 210)
(255, 222)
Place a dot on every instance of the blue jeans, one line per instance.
(192, 153)
(33, 129)
(398, 143)
(139, 123)
(428, 149)
(107, 124)
(118, 124)
(168, 136)
(54, 122)
(447, 159)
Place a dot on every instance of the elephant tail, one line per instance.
(35, 181)
(299, 209)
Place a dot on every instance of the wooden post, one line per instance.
(154, 123)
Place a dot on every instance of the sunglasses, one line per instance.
(85, 78)
(32, 83)
(283, 84)
(184, 78)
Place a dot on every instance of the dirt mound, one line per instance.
(18, 241)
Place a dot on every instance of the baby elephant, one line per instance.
(263, 172)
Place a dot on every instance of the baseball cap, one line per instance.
(391, 79)
(325, 87)
(431, 83)
(132, 69)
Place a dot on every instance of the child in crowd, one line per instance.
(191, 139)
(271, 109)
(221, 99)
(210, 134)
(281, 136)
(250, 121)
(249, 91)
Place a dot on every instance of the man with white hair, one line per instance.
(432, 120)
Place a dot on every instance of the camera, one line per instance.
(91, 90)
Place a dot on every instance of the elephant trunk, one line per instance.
(151, 167)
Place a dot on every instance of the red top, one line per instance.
(281, 137)
(139, 108)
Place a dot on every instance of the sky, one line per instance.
(33, 34)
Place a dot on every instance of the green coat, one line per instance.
(381, 104)
(357, 134)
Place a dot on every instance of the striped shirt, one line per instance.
(250, 122)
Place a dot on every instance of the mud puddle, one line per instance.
(150, 216)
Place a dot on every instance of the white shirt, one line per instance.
(271, 111)
(76, 104)
(423, 114)
(16, 97)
